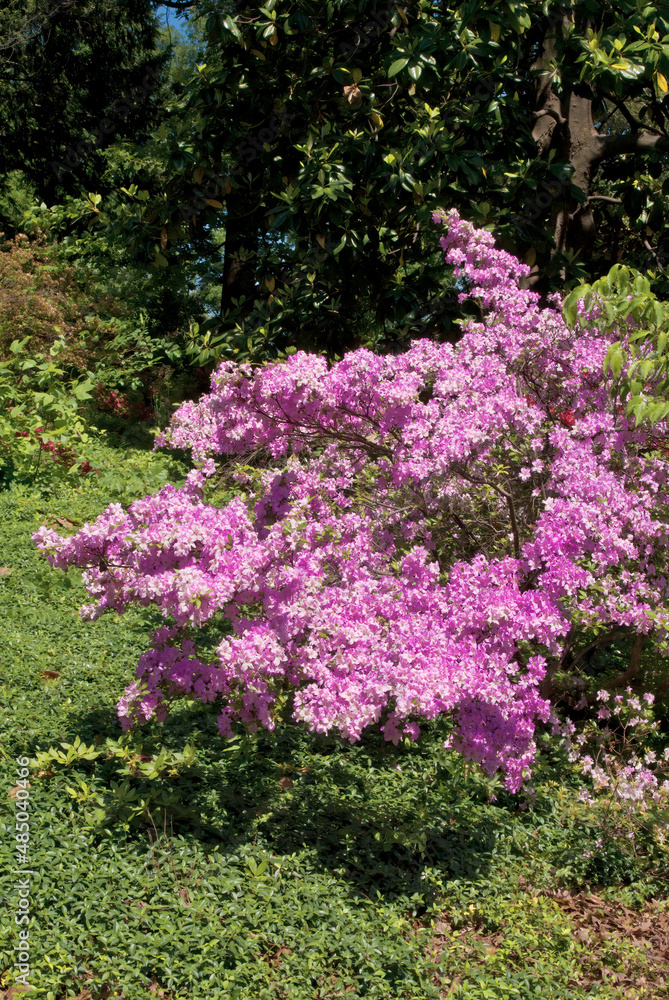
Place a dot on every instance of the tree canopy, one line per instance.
(297, 150)
(75, 76)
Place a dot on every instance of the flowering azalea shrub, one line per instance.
(613, 754)
(410, 536)
(625, 769)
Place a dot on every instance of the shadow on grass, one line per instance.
(371, 813)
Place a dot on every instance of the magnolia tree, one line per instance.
(410, 536)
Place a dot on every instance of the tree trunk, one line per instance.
(567, 127)
(577, 228)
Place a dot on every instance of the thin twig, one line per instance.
(603, 640)
(605, 197)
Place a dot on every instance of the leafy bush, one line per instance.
(50, 304)
(43, 435)
(431, 533)
(39, 297)
(626, 307)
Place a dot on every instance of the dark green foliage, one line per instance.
(321, 136)
(274, 189)
(75, 77)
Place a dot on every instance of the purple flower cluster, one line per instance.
(414, 535)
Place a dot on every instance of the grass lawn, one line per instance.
(175, 863)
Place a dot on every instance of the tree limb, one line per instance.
(603, 640)
(512, 510)
(635, 125)
(605, 197)
(639, 142)
(635, 660)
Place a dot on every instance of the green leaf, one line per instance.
(614, 360)
(340, 246)
(397, 66)
(638, 409)
(570, 305)
(658, 411)
(80, 390)
(231, 26)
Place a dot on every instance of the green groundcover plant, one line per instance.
(285, 865)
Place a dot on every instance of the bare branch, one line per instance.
(635, 125)
(652, 252)
(622, 680)
(514, 526)
(603, 640)
(605, 197)
(510, 504)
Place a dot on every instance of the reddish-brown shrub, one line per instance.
(40, 298)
